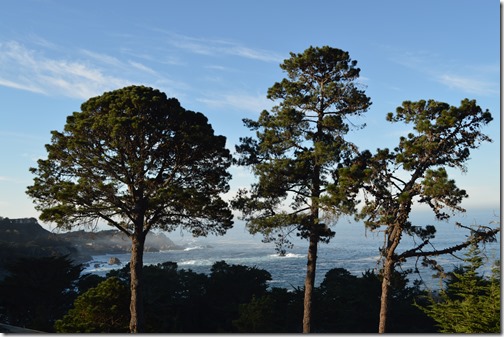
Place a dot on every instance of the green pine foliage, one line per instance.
(100, 309)
(470, 303)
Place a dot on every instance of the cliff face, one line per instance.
(26, 238)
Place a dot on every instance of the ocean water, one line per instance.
(353, 248)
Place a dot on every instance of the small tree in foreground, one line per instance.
(100, 309)
(415, 172)
(470, 303)
(138, 161)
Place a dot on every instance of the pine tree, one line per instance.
(415, 172)
(138, 161)
(298, 148)
(470, 303)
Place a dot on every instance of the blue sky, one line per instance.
(220, 57)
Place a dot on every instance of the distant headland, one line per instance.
(25, 237)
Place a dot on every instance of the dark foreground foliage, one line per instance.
(37, 291)
(344, 303)
(47, 294)
(185, 301)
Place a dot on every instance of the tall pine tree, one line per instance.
(296, 152)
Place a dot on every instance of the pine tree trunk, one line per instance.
(311, 265)
(394, 237)
(310, 282)
(385, 287)
(137, 320)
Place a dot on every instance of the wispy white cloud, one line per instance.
(468, 78)
(26, 69)
(469, 85)
(142, 67)
(102, 58)
(166, 59)
(41, 42)
(170, 86)
(39, 66)
(215, 47)
(81, 75)
(21, 85)
(218, 68)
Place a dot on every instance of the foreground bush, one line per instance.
(104, 308)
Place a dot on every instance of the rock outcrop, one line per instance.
(114, 260)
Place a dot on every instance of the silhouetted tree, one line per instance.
(346, 304)
(175, 299)
(88, 281)
(181, 300)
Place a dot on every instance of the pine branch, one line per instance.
(477, 236)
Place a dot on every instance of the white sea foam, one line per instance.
(288, 255)
(193, 248)
(195, 263)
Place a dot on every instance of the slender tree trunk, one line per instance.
(385, 288)
(310, 282)
(394, 237)
(137, 320)
(311, 265)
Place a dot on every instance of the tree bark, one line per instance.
(394, 237)
(385, 287)
(310, 282)
(137, 319)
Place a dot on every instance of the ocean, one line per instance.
(353, 248)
